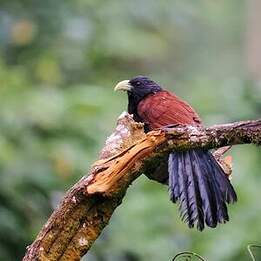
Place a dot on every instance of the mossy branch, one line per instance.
(88, 206)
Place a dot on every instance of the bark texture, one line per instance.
(88, 206)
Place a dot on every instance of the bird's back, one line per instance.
(164, 108)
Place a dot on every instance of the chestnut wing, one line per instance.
(165, 108)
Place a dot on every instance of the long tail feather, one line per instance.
(195, 201)
(199, 185)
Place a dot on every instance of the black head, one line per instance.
(138, 88)
(142, 86)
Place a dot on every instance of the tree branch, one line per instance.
(87, 207)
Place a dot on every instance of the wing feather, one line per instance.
(169, 109)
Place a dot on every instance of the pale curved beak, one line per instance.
(123, 86)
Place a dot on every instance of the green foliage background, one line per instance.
(59, 61)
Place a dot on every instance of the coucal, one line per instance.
(195, 179)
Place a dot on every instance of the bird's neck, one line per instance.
(132, 108)
(133, 101)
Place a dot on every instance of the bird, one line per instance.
(196, 181)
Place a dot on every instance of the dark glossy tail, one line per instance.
(200, 186)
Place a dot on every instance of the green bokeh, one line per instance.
(59, 61)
